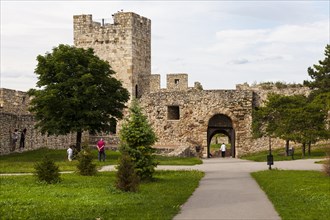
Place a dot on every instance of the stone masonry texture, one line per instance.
(181, 116)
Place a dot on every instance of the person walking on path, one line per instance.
(70, 153)
(223, 150)
(101, 149)
(22, 140)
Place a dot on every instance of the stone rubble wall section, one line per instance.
(196, 108)
(14, 114)
(14, 102)
(34, 139)
(261, 93)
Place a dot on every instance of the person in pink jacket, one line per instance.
(101, 148)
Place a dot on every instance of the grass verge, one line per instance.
(316, 152)
(297, 194)
(24, 162)
(189, 161)
(84, 197)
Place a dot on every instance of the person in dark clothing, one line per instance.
(22, 140)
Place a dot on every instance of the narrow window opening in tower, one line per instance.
(176, 81)
(173, 112)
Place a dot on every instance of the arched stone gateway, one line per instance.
(221, 124)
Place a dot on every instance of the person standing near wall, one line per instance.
(14, 138)
(223, 150)
(101, 148)
(22, 140)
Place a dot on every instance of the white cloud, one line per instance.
(219, 44)
(286, 42)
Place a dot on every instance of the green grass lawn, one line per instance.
(178, 160)
(84, 197)
(24, 162)
(297, 195)
(316, 152)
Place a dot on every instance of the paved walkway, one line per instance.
(229, 192)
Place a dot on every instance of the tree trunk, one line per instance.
(309, 148)
(78, 140)
(303, 150)
(287, 147)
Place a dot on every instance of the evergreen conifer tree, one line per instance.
(47, 171)
(126, 177)
(137, 138)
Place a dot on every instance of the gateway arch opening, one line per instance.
(220, 129)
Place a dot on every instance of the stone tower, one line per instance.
(125, 44)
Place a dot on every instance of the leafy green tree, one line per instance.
(320, 74)
(76, 93)
(270, 119)
(137, 138)
(309, 124)
(291, 118)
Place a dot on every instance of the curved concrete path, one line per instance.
(229, 192)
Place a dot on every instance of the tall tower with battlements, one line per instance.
(125, 44)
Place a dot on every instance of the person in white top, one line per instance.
(70, 153)
(223, 150)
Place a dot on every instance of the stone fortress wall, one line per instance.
(195, 107)
(189, 124)
(14, 114)
(184, 128)
(183, 117)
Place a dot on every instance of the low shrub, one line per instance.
(47, 171)
(126, 177)
(85, 165)
(326, 165)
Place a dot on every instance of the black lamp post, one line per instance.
(270, 159)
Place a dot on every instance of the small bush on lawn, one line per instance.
(326, 165)
(85, 165)
(126, 177)
(47, 171)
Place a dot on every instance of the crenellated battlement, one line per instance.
(14, 102)
(174, 82)
(125, 44)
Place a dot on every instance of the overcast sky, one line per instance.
(218, 43)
